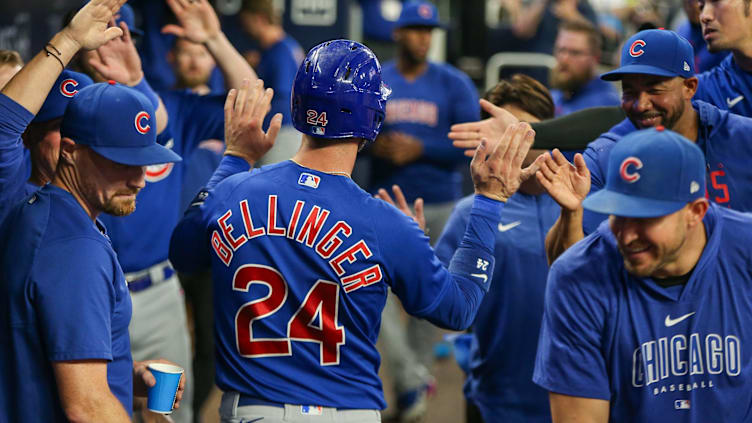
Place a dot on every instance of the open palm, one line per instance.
(568, 185)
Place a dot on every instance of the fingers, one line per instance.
(480, 155)
(173, 29)
(111, 33)
(262, 100)
(126, 32)
(399, 197)
(466, 127)
(559, 158)
(489, 107)
(418, 207)
(382, 194)
(175, 6)
(241, 97)
(230, 104)
(580, 165)
(528, 136)
(274, 126)
(545, 167)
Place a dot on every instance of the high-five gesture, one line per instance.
(89, 27)
(468, 135)
(566, 184)
(245, 110)
(496, 170)
(88, 30)
(198, 21)
(118, 59)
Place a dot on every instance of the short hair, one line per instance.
(264, 8)
(593, 35)
(523, 91)
(10, 57)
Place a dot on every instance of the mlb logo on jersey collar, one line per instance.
(309, 180)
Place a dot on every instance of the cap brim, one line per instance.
(618, 204)
(138, 156)
(420, 24)
(617, 74)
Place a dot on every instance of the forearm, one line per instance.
(470, 269)
(528, 20)
(575, 130)
(565, 232)
(233, 66)
(96, 408)
(30, 86)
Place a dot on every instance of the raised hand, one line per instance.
(568, 185)
(496, 169)
(118, 59)
(468, 135)
(401, 204)
(245, 110)
(89, 27)
(197, 19)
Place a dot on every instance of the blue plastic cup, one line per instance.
(161, 396)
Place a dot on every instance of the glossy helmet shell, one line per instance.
(338, 92)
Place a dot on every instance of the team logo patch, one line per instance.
(306, 179)
(636, 49)
(686, 67)
(68, 87)
(624, 169)
(139, 122)
(156, 173)
(424, 11)
(694, 187)
(681, 405)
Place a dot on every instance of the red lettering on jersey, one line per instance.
(312, 225)
(349, 256)
(227, 229)
(221, 249)
(294, 219)
(248, 222)
(364, 278)
(329, 244)
(272, 228)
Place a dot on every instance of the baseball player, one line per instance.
(302, 257)
(727, 26)
(505, 332)
(141, 239)
(64, 347)
(657, 90)
(40, 136)
(645, 319)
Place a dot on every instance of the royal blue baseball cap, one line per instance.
(118, 123)
(125, 14)
(651, 173)
(418, 13)
(655, 52)
(68, 84)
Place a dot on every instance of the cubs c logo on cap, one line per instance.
(624, 169)
(424, 11)
(68, 87)
(140, 127)
(636, 49)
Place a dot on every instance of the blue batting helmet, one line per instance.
(338, 92)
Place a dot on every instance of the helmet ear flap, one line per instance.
(338, 92)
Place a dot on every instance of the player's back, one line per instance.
(301, 261)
